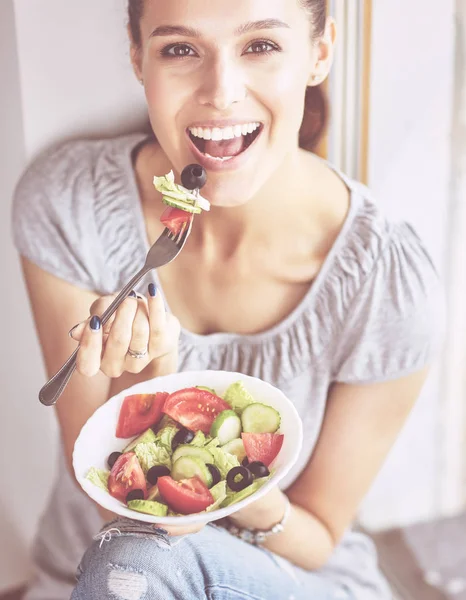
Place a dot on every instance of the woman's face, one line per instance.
(225, 84)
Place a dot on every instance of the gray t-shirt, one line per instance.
(373, 313)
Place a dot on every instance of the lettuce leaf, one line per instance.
(165, 435)
(99, 477)
(199, 440)
(167, 187)
(219, 493)
(212, 443)
(223, 461)
(151, 455)
(238, 397)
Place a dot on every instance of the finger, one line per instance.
(101, 305)
(76, 332)
(98, 307)
(186, 530)
(157, 320)
(90, 349)
(139, 340)
(119, 338)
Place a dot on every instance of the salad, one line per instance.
(183, 201)
(191, 451)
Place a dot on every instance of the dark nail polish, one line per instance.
(152, 289)
(70, 332)
(161, 530)
(95, 324)
(132, 294)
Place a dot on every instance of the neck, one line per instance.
(264, 215)
(267, 219)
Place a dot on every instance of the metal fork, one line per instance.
(164, 250)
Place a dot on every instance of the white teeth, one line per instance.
(220, 158)
(217, 134)
(238, 131)
(224, 133)
(228, 133)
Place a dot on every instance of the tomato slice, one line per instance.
(195, 409)
(175, 218)
(139, 412)
(186, 496)
(262, 446)
(126, 475)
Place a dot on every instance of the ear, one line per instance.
(136, 59)
(325, 49)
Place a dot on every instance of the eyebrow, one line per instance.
(167, 30)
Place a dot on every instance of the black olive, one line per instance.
(111, 460)
(239, 478)
(135, 495)
(183, 436)
(216, 477)
(193, 177)
(258, 469)
(155, 472)
(245, 461)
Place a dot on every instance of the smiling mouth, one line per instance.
(225, 143)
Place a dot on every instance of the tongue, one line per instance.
(224, 147)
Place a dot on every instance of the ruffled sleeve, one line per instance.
(395, 323)
(74, 216)
(53, 217)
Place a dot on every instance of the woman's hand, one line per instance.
(140, 332)
(181, 530)
(262, 514)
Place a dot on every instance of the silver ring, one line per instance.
(135, 354)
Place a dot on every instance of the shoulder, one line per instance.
(63, 202)
(393, 317)
(376, 247)
(73, 166)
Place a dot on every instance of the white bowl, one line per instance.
(97, 439)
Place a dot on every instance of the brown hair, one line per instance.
(316, 110)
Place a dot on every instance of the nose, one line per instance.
(222, 84)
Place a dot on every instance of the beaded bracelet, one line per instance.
(256, 537)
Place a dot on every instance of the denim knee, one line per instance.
(135, 567)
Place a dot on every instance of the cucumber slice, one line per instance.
(259, 418)
(236, 447)
(226, 427)
(145, 438)
(190, 466)
(149, 507)
(186, 196)
(194, 451)
(190, 208)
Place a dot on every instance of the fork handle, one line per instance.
(53, 389)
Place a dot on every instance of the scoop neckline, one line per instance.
(287, 322)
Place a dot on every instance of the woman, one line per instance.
(294, 276)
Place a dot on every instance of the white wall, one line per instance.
(75, 71)
(409, 170)
(65, 72)
(23, 422)
(76, 80)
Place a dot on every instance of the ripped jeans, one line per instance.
(131, 560)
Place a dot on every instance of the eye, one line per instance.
(262, 47)
(178, 51)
